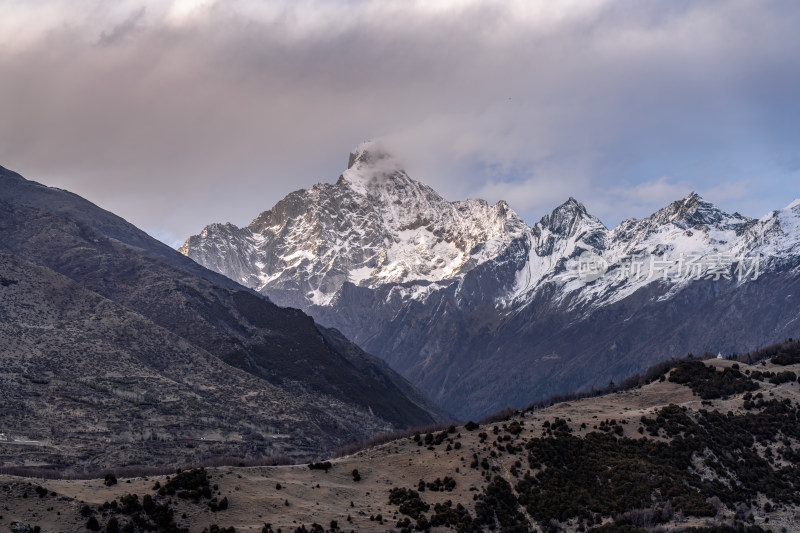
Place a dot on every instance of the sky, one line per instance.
(177, 114)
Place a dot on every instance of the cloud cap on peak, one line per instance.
(369, 153)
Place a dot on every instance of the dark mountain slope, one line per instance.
(282, 347)
(97, 384)
(17, 190)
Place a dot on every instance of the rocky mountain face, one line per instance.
(374, 226)
(482, 311)
(116, 349)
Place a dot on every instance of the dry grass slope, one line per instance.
(653, 458)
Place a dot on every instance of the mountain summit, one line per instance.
(369, 153)
(694, 211)
(482, 311)
(374, 226)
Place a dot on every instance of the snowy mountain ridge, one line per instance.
(377, 226)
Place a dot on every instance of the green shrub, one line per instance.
(498, 504)
(189, 484)
(409, 502)
(787, 358)
(321, 466)
(708, 383)
(783, 377)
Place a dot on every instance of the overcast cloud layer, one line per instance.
(178, 114)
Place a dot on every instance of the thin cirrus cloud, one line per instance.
(178, 114)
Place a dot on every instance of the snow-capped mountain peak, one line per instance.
(564, 217)
(569, 219)
(371, 169)
(693, 211)
(567, 230)
(374, 226)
